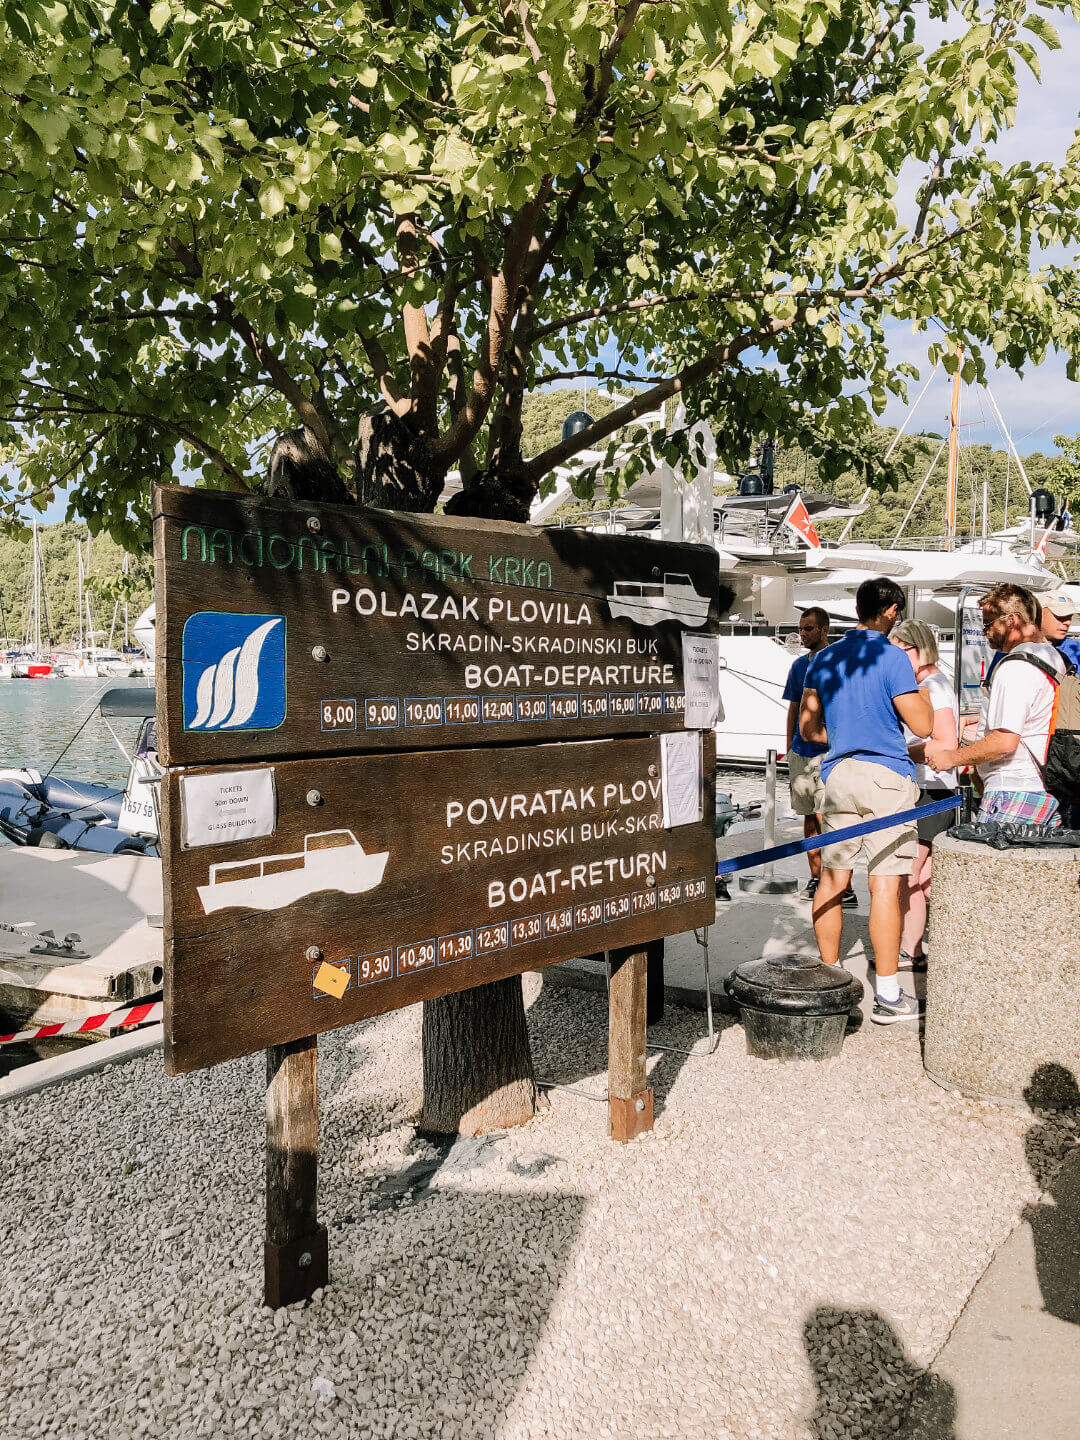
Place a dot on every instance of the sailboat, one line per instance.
(82, 665)
(34, 663)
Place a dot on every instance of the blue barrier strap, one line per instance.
(850, 832)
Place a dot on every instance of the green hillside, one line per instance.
(106, 583)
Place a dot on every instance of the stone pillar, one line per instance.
(1003, 983)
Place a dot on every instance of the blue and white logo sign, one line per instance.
(234, 671)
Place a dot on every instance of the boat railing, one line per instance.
(611, 522)
(257, 867)
(329, 840)
(769, 535)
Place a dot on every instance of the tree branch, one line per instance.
(533, 47)
(520, 237)
(424, 376)
(708, 364)
(315, 416)
(79, 406)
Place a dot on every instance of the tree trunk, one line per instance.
(504, 491)
(478, 1069)
(394, 468)
(478, 1072)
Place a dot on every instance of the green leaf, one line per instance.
(160, 14)
(50, 126)
(1041, 28)
(272, 198)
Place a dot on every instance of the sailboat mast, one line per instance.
(954, 455)
(79, 604)
(37, 593)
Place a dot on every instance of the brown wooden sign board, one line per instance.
(388, 879)
(285, 629)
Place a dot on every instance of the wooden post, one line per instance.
(654, 982)
(630, 1101)
(296, 1252)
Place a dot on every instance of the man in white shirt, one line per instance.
(1014, 729)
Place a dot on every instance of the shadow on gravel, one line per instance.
(568, 1029)
(1052, 1153)
(865, 1382)
(445, 1306)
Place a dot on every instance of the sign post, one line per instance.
(405, 756)
(630, 1101)
(296, 1253)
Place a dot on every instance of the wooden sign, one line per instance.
(285, 629)
(307, 894)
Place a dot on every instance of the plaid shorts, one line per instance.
(1020, 807)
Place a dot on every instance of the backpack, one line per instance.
(1060, 770)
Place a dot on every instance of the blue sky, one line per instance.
(1042, 402)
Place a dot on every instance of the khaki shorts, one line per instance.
(858, 790)
(806, 784)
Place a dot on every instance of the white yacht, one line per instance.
(776, 568)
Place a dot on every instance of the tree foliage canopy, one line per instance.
(221, 219)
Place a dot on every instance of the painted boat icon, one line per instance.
(648, 602)
(330, 860)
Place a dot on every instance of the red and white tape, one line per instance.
(118, 1018)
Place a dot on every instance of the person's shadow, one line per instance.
(1055, 1223)
(866, 1384)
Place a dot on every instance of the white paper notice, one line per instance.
(680, 778)
(701, 677)
(227, 806)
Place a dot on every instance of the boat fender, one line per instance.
(45, 839)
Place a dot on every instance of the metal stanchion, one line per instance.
(711, 1034)
(767, 883)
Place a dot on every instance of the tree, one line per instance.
(112, 587)
(1065, 474)
(226, 219)
(221, 220)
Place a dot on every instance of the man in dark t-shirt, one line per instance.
(804, 757)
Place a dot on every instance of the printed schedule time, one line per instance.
(393, 712)
(395, 962)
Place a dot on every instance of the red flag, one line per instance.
(1040, 548)
(798, 520)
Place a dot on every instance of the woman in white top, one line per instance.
(918, 641)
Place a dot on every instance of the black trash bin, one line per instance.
(792, 1008)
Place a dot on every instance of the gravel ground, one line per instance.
(780, 1258)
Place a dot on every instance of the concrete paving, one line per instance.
(748, 927)
(1010, 1370)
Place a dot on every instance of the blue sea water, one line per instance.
(38, 718)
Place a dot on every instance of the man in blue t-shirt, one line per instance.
(857, 692)
(804, 758)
